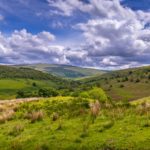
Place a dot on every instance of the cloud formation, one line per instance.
(24, 47)
(114, 36)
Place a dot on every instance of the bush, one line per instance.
(24, 94)
(84, 95)
(34, 84)
(98, 94)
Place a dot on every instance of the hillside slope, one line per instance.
(22, 72)
(128, 84)
(14, 79)
(65, 71)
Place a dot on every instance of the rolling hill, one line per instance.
(128, 84)
(65, 71)
(14, 79)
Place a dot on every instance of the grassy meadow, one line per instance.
(69, 123)
(10, 87)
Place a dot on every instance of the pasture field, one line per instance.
(68, 123)
(9, 87)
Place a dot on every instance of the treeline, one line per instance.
(42, 92)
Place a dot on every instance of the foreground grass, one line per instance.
(66, 123)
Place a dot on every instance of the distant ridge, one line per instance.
(65, 71)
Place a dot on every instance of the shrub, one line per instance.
(84, 95)
(24, 94)
(98, 94)
(34, 84)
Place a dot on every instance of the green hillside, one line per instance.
(128, 84)
(65, 71)
(68, 123)
(29, 81)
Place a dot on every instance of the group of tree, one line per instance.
(42, 92)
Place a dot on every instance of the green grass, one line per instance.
(131, 89)
(120, 127)
(9, 87)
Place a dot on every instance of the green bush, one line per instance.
(98, 94)
(84, 95)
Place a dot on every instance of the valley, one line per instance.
(107, 111)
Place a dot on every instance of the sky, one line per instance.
(104, 34)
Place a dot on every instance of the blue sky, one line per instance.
(107, 34)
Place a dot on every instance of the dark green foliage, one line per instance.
(26, 93)
(34, 84)
(47, 92)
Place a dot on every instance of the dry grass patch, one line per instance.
(35, 116)
(7, 115)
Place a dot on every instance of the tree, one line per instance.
(20, 94)
(47, 92)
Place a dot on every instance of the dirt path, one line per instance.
(20, 100)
